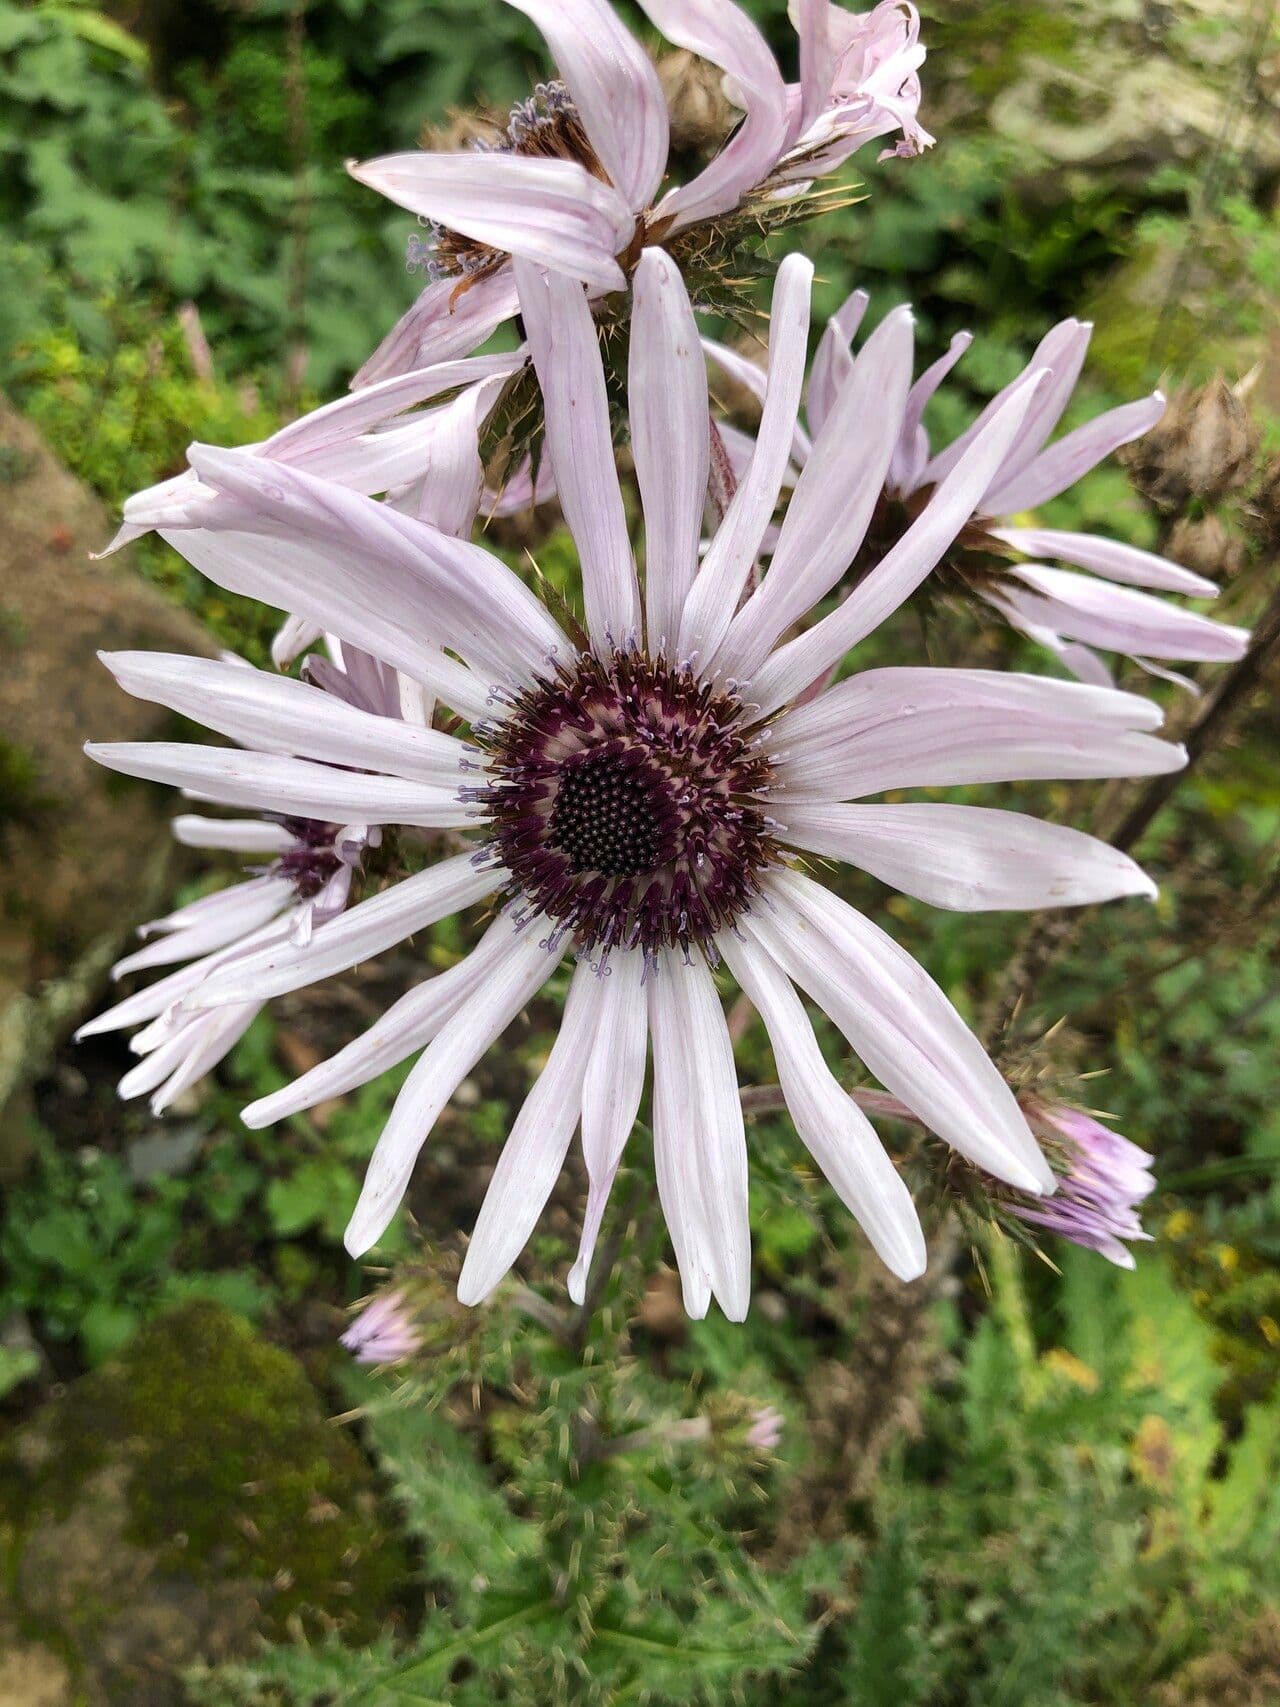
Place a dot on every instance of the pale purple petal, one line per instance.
(719, 31)
(450, 318)
(615, 88)
(1119, 618)
(362, 932)
(729, 558)
(292, 638)
(754, 375)
(1059, 467)
(566, 353)
(833, 1128)
(611, 1092)
(714, 1126)
(273, 784)
(911, 453)
(883, 589)
(536, 1147)
(1060, 351)
(924, 728)
(817, 63)
(445, 1062)
(670, 441)
(833, 361)
(277, 714)
(231, 835)
(552, 212)
(901, 1025)
(368, 574)
(407, 1026)
(675, 1159)
(968, 858)
(833, 500)
(1109, 558)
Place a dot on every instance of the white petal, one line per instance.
(232, 835)
(969, 858)
(407, 1026)
(835, 1130)
(611, 1092)
(901, 1025)
(1064, 462)
(923, 728)
(363, 931)
(715, 1132)
(247, 906)
(214, 1043)
(276, 714)
(833, 500)
(449, 319)
(293, 786)
(1120, 618)
(445, 1062)
(721, 32)
(675, 1159)
(725, 568)
(882, 590)
(667, 403)
(614, 87)
(566, 353)
(534, 1152)
(549, 211)
(1110, 558)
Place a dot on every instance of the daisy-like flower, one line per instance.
(994, 556)
(1102, 1178)
(571, 184)
(384, 1332)
(310, 864)
(645, 792)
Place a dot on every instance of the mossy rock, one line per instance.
(182, 1500)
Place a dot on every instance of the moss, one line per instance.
(232, 1471)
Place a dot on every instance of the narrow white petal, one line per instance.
(716, 1133)
(833, 500)
(445, 1062)
(675, 1160)
(407, 1026)
(1120, 619)
(834, 1129)
(670, 438)
(549, 211)
(1110, 558)
(249, 905)
(901, 1025)
(214, 1043)
(1064, 462)
(969, 858)
(534, 1152)
(273, 784)
(566, 353)
(231, 835)
(361, 932)
(611, 1092)
(614, 87)
(727, 565)
(276, 714)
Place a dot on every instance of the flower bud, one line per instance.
(700, 114)
(1203, 447)
(1203, 544)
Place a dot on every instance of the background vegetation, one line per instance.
(1027, 1483)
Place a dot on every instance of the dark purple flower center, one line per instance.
(311, 861)
(629, 801)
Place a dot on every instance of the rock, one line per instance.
(83, 854)
(181, 1502)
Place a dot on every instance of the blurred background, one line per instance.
(1029, 1481)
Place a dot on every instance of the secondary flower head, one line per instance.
(645, 789)
(993, 557)
(384, 1332)
(1102, 1178)
(572, 182)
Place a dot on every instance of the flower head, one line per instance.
(384, 1331)
(1102, 1178)
(645, 789)
(571, 182)
(993, 558)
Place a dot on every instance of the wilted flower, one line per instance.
(1102, 1178)
(1204, 448)
(384, 1331)
(645, 788)
(570, 184)
(993, 557)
